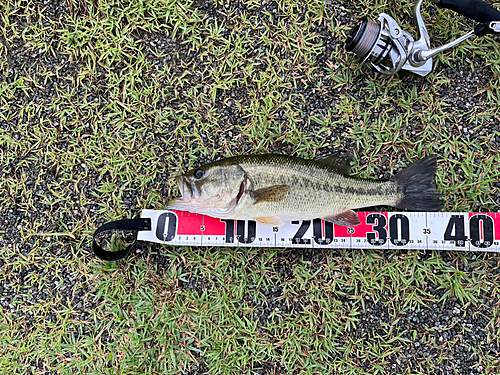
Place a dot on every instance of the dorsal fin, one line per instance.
(341, 163)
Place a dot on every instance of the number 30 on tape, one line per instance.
(393, 230)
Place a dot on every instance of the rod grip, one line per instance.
(475, 9)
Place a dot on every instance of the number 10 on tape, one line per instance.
(393, 230)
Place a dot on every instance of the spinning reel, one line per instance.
(389, 48)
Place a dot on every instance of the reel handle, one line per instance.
(476, 9)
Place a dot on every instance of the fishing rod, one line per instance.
(389, 48)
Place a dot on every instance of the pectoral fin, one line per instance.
(348, 218)
(270, 194)
(275, 221)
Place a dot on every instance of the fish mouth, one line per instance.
(188, 189)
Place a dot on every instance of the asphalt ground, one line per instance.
(103, 103)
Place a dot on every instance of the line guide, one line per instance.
(392, 230)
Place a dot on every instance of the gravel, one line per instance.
(450, 329)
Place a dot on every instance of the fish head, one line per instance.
(212, 189)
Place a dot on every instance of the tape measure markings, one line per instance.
(391, 230)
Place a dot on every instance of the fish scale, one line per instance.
(315, 190)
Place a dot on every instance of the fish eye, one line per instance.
(199, 173)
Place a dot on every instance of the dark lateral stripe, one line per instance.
(336, 188)
(361, 191)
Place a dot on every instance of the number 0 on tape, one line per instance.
(393, 230)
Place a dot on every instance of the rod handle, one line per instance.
(475, 9)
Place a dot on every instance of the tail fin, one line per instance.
(417, 186)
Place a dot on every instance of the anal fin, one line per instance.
(347, 218)
(275, 221)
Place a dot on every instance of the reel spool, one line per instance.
(381, 43)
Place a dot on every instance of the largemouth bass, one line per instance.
(273, 189)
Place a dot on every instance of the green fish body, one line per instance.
(273, 189)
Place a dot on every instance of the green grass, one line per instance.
(103, 104)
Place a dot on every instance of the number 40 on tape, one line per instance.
(393, 230)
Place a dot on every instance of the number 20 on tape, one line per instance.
(408, 230)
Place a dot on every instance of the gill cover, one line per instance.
(213, 190)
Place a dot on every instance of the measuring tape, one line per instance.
(391, 230)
